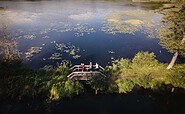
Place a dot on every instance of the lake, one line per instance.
(82, 31)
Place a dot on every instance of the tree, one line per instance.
(54, 92)
(69, 88)
(125, 85)
(144, 81)
(177, 77)
(62, 70)
(62, 89)
(172, 34)
(97, 82)
(144, 59)
(78, 87)
(8, 45)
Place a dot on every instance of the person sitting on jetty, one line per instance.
(96, 66)
(90, 66)
(82, 65)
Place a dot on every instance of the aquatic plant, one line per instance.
(63, 27)
(128, 22)
(55, 56)
(76, 56)
(32, 51)
(82, 29)
(68, 48)
(29, 36)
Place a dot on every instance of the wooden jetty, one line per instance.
(78, 74)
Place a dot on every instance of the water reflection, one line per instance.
(131, 22)
(96, 27)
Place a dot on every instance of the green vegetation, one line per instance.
(19, 82)
(172, 33)
(144, 71)
(65, 89)
(97, 83)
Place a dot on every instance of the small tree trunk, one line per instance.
(183, 40)
(173, 89)
(96, 91)
(173, 60)
(176, 54)
(77, 92)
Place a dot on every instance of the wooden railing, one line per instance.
(78, 74)
(79, 67)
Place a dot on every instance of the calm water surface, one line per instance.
(50, 32)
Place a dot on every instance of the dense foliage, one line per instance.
(19, 82)
(98, 82)
(144, 71)
(172, 33)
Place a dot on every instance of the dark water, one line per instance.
(136, 102)
(88, 31)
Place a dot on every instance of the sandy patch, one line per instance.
(134, 22)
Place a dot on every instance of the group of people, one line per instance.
(89, 67)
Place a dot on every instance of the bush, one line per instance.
(144, 59)
(144, 71)
(125, 85)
